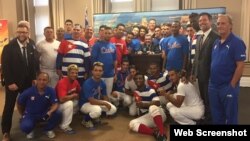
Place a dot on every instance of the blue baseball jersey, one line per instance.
(105, 52)
(35, 103)
(91, 88)
(120, 81)
(135, 45)
(224, 58)
(175, 48)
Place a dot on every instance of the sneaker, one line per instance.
(69, 130)
(6, 137)
(97, 121)
(50, 134)
(30, 135)
(159, 137)
(88, 124)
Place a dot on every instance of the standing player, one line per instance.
(153, 115)
(121, 48)
(175, 49)
(48, 52)
(93, 97)
(105, 52)
(74, 51)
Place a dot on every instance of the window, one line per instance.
(41, 17)
(158, 5)
(121, 6)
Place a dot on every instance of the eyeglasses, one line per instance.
(22, 32)
(97, 64)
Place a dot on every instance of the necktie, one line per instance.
(25, 56)
(201, 41)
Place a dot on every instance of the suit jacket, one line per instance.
(202, 61)
(13, 67)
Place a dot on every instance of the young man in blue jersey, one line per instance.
(119, 83)
(39, 104)
(104, 51)
(227, 65)
(74, 51)
(152, 115)
(93, 97)
(175, 49)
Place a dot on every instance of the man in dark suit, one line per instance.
(202, 62)
(19, 67)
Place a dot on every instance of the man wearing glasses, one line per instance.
(19, 71)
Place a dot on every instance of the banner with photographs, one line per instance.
(141, 18)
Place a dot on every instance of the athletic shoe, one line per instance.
(69, 130)
(88, 124)
(50, 134)
(159, 137)
(30, 135)
(97, 121)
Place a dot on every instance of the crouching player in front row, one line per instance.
(93, 97)
(39, 104)
(152, 116)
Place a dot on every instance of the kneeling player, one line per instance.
(93, 97)
(152, 115)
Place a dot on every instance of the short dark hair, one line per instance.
(154, 63)
(206, 14)
(102, 26)
(48, 27)
(68, 20)
(189, 25)
(143, 27)
(107, 28)
(139, 73)
(131, 33)
(120, 24)
(40, 73)
(132, 67)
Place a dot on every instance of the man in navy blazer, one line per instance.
(17, 74)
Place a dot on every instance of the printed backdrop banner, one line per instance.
(141, 18)
(4, 37)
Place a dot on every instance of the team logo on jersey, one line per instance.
(227, 46)
(215, 46)
(47, 96)
(32, 98)
(229, 95)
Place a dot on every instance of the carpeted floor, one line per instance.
(114, 129)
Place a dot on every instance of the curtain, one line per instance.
(189, 4)
(101, 6)
(56, 13)
(245, 25)
(142, 5)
